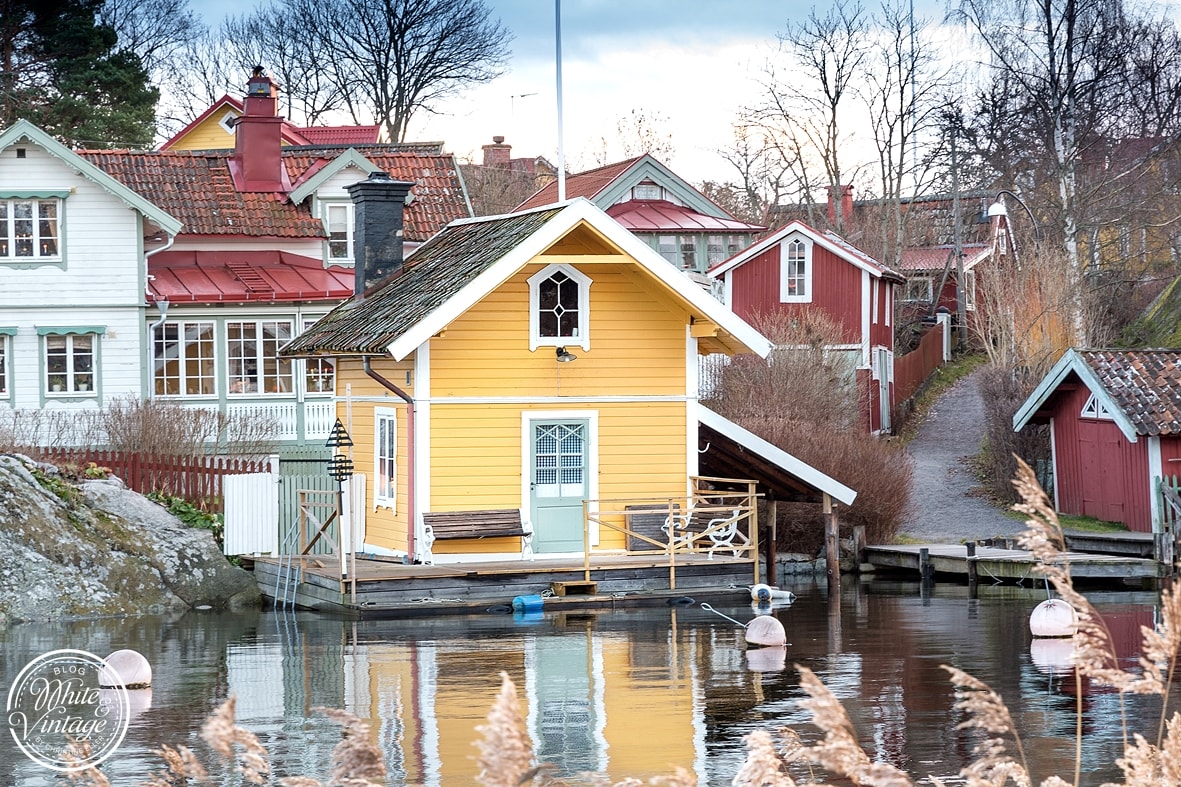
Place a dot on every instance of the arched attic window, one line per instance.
(795, 270)
(559, 308)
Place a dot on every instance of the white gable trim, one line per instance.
(572, 213)
(23, 129)
(800, 469)
(794, 226)
(350, 158)
(1071, 361)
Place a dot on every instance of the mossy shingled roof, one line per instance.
(433, 274)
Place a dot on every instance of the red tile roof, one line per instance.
(1144, 384)
(661, 215)
(196, 188)
(245, 276)
(934, 258)
(584, 184)
(340, 135)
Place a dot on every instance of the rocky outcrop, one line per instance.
(97, 548)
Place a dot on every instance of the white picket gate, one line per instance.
(252, 513)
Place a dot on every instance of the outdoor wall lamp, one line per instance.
(564, 356)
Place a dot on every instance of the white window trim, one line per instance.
(384, 415)
(5, 364)
(352, 229)
(228, 119)
(6, 230)
(183, 323)
(72, 389)
(260, 359)
(1094, 408)
(783, 271)
(584, 282)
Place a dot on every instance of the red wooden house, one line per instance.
(1115, 430)
(799, 268)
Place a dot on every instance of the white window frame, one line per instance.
(264, 380)
(228, 119)
(326, 208)
(645, 191)
(385, 458)
(581, 338)
(314, 369)
(184, 359)
(929, 288)
(5, 363)
(787, 276)
(8, 231)
(1095, 409)
(970, 291)
(75, 382)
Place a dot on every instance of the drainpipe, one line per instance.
(162, 305)
(411, 508)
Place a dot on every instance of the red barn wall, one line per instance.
(1099, 473)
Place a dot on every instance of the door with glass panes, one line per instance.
(559, 473)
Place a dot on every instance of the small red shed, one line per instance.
(798, 267)
(1115, 430)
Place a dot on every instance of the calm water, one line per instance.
(626, 692)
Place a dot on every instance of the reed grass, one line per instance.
(1151, 758)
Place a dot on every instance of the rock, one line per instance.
(100, 549)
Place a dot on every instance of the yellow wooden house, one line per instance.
(530, 361)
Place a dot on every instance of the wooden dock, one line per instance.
(1006, 565)
(387, 588)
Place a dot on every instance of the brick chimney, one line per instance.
(380, 202)
(845, 196)
(497, 154)
(257, 163)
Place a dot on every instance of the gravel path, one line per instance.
(944, 508)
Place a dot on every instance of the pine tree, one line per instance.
(61, 69)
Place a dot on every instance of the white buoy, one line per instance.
(766, 630)
(132, 669)
(767, 659)
(1053, 618)
(766, 593)
(1052, 656)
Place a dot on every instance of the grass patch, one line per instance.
(1089, 524)
(936, 385)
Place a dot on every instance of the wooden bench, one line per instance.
(491, 523)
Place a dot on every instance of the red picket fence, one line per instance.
(912, 370)
(197, 479)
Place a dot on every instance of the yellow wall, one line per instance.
(637, 352)
(207, 135)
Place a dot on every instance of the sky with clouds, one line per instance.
(689, 65)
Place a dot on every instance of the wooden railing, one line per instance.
(710, 520)
(197, 479)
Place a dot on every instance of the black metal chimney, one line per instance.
(380, 202)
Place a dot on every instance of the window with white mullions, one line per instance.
(338, 221)
(795, 274)
(183, 359)
(3, 366)
(559, 299)
(29, 229)
(385, 453)
(559, 460)
(253, 363)
(69, 365)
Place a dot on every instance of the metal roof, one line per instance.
(245, 276)
(665, 216)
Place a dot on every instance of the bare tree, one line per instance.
(156, 30)
(808, 108)
(390, 59)
(762, 175)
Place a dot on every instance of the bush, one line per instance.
(1004, 391)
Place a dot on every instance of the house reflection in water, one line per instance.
(624, 703)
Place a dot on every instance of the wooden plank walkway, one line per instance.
(1008, 564)
(386, 587)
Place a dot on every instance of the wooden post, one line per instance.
(832, 551)
(773, 516)
(858, 546)
(926, 573)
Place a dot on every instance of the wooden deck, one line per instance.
(388, 588)
(1008, 565)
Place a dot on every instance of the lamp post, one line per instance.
(340, 467)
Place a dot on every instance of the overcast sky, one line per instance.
(692, 64)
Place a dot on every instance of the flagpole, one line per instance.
(558, 53)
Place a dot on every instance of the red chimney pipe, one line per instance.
(257, 163)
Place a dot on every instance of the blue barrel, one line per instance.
(527, 604)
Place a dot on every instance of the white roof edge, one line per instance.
(572, 212)
(1071, 361)
(24, 128)
(349, 157)
(795, 225)
(797, 467)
